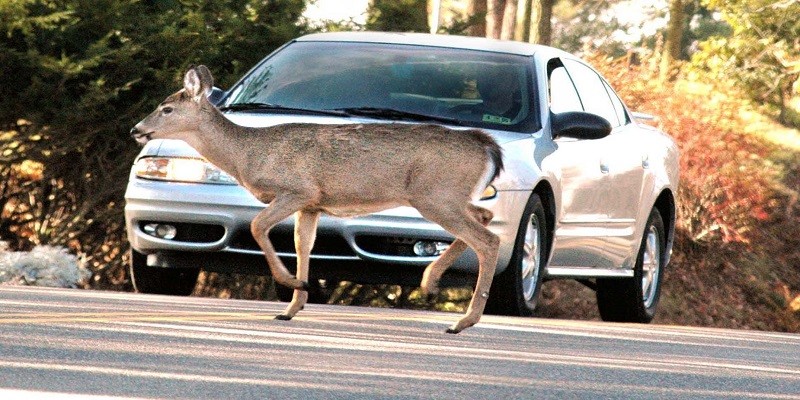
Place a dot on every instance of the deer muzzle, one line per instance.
(140, 136)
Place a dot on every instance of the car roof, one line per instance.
(436, 40)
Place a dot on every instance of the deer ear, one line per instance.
(206, 80)
(192, 84)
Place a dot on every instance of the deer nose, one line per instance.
(134, 131)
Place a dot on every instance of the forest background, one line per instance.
(723, 77)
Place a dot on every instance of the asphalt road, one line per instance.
(66, 344)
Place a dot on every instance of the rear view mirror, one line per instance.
(579, 125)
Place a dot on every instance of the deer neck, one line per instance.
(217, 140)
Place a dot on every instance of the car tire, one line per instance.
(158, 280)
(515, 291)
(635, 299)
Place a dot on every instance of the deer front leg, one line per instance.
(305, 232)
(278, 210)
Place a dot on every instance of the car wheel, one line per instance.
(157, 280)
(515, 291)
(635, 299)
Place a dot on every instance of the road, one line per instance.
(69, 344)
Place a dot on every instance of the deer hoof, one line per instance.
(283, 317)
(460, 326)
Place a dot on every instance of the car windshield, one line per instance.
(395, 82)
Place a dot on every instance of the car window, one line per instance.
(478, 88)
(563, 96)
(592, 91)
(622, 115)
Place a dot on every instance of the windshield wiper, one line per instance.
(278, 107)
(395, 115)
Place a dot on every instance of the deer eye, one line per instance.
(166, 110)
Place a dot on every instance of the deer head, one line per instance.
(182, 112)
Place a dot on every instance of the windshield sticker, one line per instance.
(496, 119)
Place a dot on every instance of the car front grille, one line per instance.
(283, 241)
(387, 245)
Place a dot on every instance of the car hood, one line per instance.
(178, 148)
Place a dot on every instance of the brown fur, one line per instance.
(343, 170)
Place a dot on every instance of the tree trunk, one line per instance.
(509, 19)
(494, 18)
(521, 31)
(434, 14)
(477, 7)
(541, 29)
(672, 42)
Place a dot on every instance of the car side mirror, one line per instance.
(579, 125)
(216, 95)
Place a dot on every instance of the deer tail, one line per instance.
(494, 151)
(494, 163)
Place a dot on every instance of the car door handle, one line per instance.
(604, 168)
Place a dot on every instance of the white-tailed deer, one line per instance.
(343, 170)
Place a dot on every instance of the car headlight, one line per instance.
(195, 170)
(489, 193)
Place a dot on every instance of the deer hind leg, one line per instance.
(278, 210)
(433, 273)
(467, 223)
(305, 232)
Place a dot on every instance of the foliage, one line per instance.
(607, 26)
(763, 53)
(734, 263)
(83, 73)
(726, 182)
(398, 16)
(590, 25)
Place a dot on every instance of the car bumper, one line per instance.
(213, 223)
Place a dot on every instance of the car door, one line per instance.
(622, 160)
(582, 184)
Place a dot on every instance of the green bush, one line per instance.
(77, 74)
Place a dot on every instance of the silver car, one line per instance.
(587, 192)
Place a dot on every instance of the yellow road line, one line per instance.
(28, 318)
(49, 317)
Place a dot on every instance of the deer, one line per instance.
(344, 170)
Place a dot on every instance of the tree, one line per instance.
(509, 20)
(521, 31)
(541, 28)
(398, 15)
(673, 38)
(585, 24)
(494, 18)
(762, 55)
(477, 9)
(77, 75)
(524, 20)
